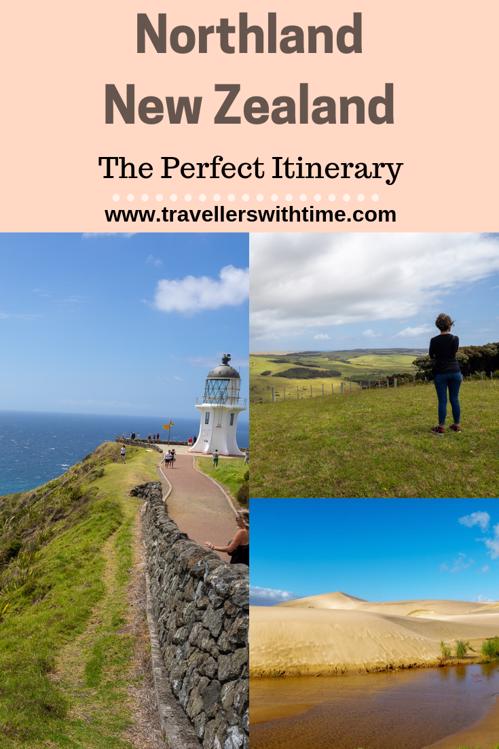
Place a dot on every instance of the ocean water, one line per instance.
(37, 447)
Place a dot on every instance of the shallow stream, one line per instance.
(410, 709)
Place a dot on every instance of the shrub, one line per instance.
(243, 494)
(75, 493)
(10, 551)
(445, 651)
(306, 373)
(461, 648)
(490, 648)
(472, 360)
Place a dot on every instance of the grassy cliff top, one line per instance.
(66, 554)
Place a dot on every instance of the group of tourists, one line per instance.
(150, 437)
(170, 458)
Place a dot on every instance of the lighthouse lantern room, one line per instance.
(219, 409)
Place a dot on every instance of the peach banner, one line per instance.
(436, 164)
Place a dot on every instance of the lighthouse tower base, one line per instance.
(217, 430)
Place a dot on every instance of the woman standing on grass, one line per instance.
(238, 548)
(448, 377)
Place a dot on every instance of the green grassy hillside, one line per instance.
(66, 554)
(266, 368)
(376, 443)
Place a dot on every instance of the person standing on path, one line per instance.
(447, 374)
(215, 459)
(238, 548)
(123, 454)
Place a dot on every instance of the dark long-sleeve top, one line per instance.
(443, 350)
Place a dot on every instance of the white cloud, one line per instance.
(196, 293)
(459, 564)
(370, 333)
(112, 405)
(268, 596)
(321, 337)
(108, 235)
(73, 299)
(43, 293)
(492, 544)
(70, 299)
(18, 316)
(155, 261)
(415, 332)
(304, 281)
(485, 569)
(482, 519)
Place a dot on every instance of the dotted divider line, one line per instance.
(245, 197)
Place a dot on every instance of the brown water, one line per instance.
(409, 709)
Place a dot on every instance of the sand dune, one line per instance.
(336, 600)
(335, 633)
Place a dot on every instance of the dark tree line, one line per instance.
(381, 381)
(305, 373)
(472, 360)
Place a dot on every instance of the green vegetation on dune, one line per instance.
(231, 473)
(376, 443)
(66, 552)
(490, 648)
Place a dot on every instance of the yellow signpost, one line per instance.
(168, 428)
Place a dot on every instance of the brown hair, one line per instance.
(444, 322)
(243, 515)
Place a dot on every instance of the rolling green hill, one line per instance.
(66, 641)
(341, 367)
(376, 443)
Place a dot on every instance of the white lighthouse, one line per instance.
(219, 409)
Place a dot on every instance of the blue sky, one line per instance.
(375, 549)
(344, 291)
(117, 324)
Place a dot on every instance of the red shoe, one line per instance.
(455, 428)
(438, 430)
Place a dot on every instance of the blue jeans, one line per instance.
(452, 382)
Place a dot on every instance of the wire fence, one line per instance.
(323, 390)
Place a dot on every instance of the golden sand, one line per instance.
(337, 633)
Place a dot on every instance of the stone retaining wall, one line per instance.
(200, 606)
(139, 443)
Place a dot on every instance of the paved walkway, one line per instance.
(197, 504)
